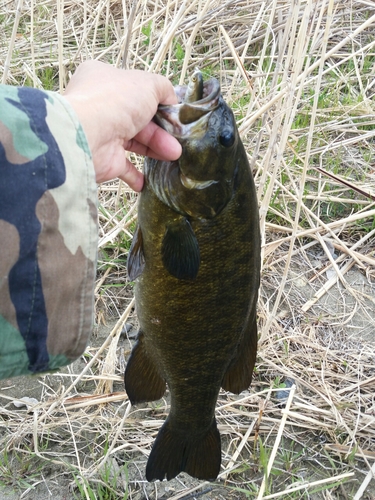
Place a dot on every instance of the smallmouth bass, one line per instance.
(196, 257)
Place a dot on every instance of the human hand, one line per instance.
(115, 108)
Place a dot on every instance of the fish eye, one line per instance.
(226, 138)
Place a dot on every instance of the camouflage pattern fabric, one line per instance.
(48, 233)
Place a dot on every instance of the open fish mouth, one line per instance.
(187, 120)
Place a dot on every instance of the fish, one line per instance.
(195, 257)
(194, 90)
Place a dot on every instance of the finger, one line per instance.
(133, 177)
(155, 142)
(164, 90)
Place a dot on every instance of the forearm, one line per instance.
(48, 232)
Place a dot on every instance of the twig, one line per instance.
(277, 443)
(332, 479)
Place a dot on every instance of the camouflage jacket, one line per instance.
(48, 233)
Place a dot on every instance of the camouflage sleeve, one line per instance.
(48, 233)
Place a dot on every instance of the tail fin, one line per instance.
(175, 451)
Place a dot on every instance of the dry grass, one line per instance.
(300, 77)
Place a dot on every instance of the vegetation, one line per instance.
(300, 79)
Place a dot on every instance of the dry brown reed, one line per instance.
(300, 77)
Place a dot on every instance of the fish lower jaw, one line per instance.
(193, 184)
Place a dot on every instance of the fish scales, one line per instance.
(197, 333)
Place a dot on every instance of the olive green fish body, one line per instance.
(197, 254)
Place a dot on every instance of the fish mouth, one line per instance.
(193, 184)
(189, 119)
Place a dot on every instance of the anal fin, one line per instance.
(239, 373)
(175, 451)
(142, 379)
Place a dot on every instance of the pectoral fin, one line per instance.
(180, 250)
(136, 258)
